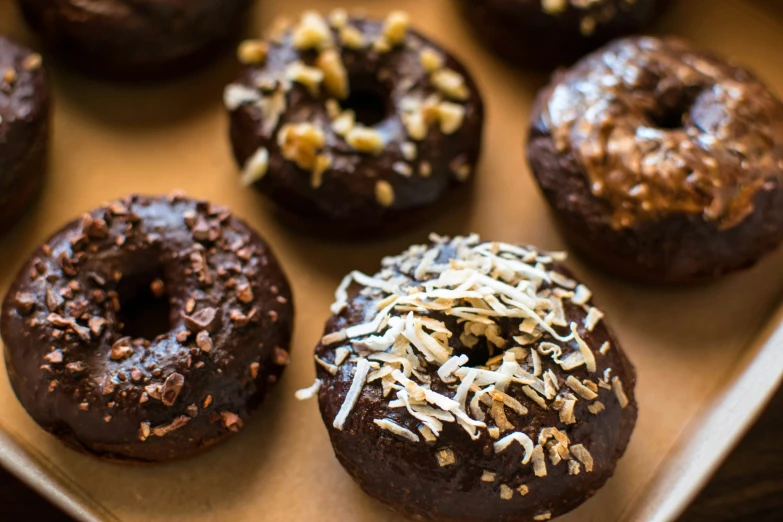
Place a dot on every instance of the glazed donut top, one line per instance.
(24, 100)
(470, 348)
(302, 76)
(660, 128)
(230, 313)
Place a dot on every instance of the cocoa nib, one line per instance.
(59, 321)
(171, 388)
(176, 424)
(204, 319)
(25, 302)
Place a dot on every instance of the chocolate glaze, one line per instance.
(24, 129)
(407, 477)
(345, 203)
(135, 39)
(135, 400)
(524, 33)
(664, 164)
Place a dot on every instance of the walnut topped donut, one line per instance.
(147, 330)
(663, 161)
(470, 380)
(351, 124)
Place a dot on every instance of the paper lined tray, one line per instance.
(701, 359)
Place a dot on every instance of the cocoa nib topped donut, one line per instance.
(24, 129)
(470, 380)
(663, 163)
(353, 124)
(148, 330)
(135, 39)
(545, 33)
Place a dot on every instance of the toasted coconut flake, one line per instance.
(604, 348)
(594, 316)
(447, 369)
(445, 457)
(509, 402)
(506, 493)
(400, 431)
(427, 433)
(542, 516)
(561, 280)
(362, 369)
(451, 84)
(583, 456)
(585, 349)
(582, 295)
(329, 367)
(535, 397)
(309, 392)
(617, 386)
(255, 167)
(539, 461)
(340, 355)
(596, 407)
(580, 389)
(566, 412)
(523, 490)
(499, 415)
(522, 439)
(573, 467)
(488, 476)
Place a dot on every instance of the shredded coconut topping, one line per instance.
(496, 324)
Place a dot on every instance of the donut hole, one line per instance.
(145, 307)
(370, 100)
(672, 109)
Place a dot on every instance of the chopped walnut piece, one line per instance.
(365, 139)
(310, 77)
(384, 193)
(282, 358)
(431, 60)
(204, 319)
(255, 167)
(24, 302)
(244, 293)
(395, 27)
(451, 117)
(252, 52)
(192, 410)
(352, 38)
(254, 370)
(542, 516)
(55, 357)
(451, 84)
(162, 431)
(32, 62)
(312, 32)
(554, 7)
(144, 431)
(121, 349)
(335, 77)
(300, 143)
(338, 18)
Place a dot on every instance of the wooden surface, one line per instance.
(748, 487)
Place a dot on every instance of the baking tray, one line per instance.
(708, 357)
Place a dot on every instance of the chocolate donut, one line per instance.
(546, 33)
(662, 163)
(352, 125)
(24, 129)
(473, 381)
(135, 39)
(148, 330)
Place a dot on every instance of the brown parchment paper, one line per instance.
(110, 140)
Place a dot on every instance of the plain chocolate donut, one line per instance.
(531, 423)
(24, 129)
(546, 33)
(662, 163)
(353, 126)
(135, 39)
(148, 330)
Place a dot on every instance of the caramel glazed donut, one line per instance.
(24, 129)
(662, 163)
(354, 124)
(473, 381)
(69, 325)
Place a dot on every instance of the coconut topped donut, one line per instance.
(470, 380)
(660, 128)
(147, 330)
(352, 123)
